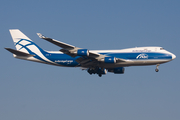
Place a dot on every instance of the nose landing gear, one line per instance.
(157, 69)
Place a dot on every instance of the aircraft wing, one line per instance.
(87, 57)
(58, 43)
(67, 49)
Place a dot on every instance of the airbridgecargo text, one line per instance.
(63, 61)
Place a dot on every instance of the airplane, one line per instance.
(94, 61)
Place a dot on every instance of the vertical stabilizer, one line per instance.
(25, 44)
(26, 47)
(20, 40)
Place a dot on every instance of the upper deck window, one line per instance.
(161, 48)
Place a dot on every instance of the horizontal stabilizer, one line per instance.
(18, 53)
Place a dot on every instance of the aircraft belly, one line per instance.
(134, 63)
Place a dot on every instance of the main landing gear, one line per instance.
(97, 70)
(157, 69)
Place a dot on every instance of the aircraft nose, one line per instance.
(173, 56)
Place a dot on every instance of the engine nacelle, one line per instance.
(102, 71)
(83, 52)
(110, 60)
(119, 70)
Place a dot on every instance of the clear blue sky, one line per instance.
(34, 91)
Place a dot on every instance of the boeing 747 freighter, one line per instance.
(94, 61)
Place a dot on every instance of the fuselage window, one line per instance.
(161, 48)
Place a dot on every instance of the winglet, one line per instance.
(41, 36)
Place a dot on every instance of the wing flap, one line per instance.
(65, 51)
(93, 55)
(120, 60)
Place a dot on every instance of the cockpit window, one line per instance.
(161, 48)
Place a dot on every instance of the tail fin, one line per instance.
(24, 44)
(27, 48)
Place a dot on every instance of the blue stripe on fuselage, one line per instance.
(136, 56)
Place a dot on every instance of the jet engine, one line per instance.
(119, 70)
(109, 60)
(83, 52)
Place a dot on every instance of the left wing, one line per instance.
(87, 57)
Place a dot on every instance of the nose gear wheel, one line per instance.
(157, 69)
